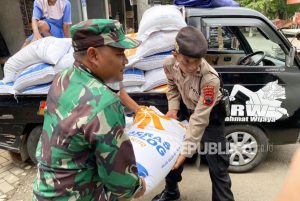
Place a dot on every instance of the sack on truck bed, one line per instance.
(46, 50)
(39, 89)
(154, 78)
(35, 75)
(151, 62)
(133, 89)
(157, 42)
(65, 62)
(160, 18)
(156, 142)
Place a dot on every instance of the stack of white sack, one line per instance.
(156, 142)
(151, 62)
(153, 81)
(158, 42)
(159, 19)
(157, 32)
(32, 69)
(46, 50)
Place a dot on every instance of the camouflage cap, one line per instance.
(100, 32)
(191, 42)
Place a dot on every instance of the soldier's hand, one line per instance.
(172, 114)
(179, 162)
(142, 190)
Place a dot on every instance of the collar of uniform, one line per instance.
(82, 67)
(201, 70)
(177, 68)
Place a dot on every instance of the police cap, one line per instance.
(191, 42)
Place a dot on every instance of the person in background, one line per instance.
(50, 18)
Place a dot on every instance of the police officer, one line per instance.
(83, 152)
(194, 82)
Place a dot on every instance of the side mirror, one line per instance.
(289, 61)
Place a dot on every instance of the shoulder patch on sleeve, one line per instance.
(208, 95)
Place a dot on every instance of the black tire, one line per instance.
(256, 150)
(32, 142)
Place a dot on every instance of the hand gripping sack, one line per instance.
(156, 142)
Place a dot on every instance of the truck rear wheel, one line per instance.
(249, 146)
(32, 142)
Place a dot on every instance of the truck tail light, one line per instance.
(42, 108)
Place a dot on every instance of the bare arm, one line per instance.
(128, 101)
(35, 29)
(66, 28)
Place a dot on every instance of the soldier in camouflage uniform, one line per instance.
(83, 153)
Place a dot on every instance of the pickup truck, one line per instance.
(258, 66)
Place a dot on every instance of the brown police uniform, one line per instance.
(200, 94)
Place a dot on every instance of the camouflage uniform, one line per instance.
(83, 152)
